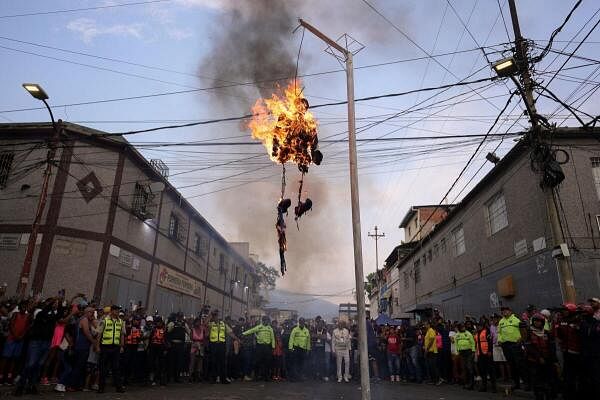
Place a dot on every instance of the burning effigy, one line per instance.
(288, 130)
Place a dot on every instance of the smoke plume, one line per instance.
(252, 41)
(256, 46)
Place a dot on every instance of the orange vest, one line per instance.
(158, 337)
(481, 342)
(134, 336)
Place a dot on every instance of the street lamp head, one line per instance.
(36, 91)
(505, 67)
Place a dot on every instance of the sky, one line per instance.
(110, 51)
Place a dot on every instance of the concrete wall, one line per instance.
(75, 253)
(464, 283)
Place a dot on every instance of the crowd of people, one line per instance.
(77, 345)
(549, 352)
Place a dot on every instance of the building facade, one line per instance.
(113, 228)
(496, 247)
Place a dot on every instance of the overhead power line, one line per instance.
(545, 51)
(73, 10)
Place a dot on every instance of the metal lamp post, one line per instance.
(356, 230)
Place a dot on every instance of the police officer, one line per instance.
(112, 340)
(265, 344)
(217, 334)
(299, 345)
(509, 337)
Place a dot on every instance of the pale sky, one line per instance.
(160, 47)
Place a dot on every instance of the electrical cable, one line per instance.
(72, 10)
(544, 52)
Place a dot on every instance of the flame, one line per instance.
(285, 126)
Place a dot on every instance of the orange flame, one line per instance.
(286, 127)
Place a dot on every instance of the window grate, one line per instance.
(141, 198)
(9, 242)
(174, 227)
(6, 161)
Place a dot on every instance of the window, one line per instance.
(436, 250)
(201, 246)
(429, 255)
(595, 172)
(222, 263)
(495, 213)
(197, 240)
(424, 259)
(405, 279)
(458, 241)
(174, 227)
(6, 160)
(125, 258)
(409, 233)
(141, 198)
(443, 245)
(417, 271)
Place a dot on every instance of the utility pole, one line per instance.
(565, 272)
(35, 226)
(376, 236)
(356, 231)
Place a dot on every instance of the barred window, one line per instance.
(174, 225)
(141, 197)
(196, 244)
(417, 271)
(406, 283)
(6, 160)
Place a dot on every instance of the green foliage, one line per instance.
(267, 276)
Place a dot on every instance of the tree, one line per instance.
(369, 283)
(267, 276)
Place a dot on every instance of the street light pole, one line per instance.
(354, 198)
(565, 272)
(37, 92)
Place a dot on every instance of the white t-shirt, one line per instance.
(453, 350)
(341, 339)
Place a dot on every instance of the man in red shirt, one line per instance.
(393, 354)
(13, 348)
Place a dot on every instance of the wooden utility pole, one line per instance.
(565, 272)
(376, 236)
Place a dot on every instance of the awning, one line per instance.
(383, 319)
(423, 307)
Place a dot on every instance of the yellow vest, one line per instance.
(217, 332)
(112, 332)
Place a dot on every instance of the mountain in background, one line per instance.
(307, 306)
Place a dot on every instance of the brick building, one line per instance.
(495, 247)
(114, 227)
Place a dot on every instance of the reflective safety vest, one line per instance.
(217, 332)
(134, 336)
(112, 332)
(508, 329)
(481, 342)
(158, 336)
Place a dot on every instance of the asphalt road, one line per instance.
(273, 391)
